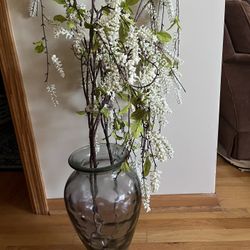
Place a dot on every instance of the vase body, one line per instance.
(103, 203)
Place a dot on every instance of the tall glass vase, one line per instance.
(103, 203)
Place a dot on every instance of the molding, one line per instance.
(16, 96)
(185, 202)
(56, 206)
(168, 203)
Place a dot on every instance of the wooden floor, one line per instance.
(224, 227)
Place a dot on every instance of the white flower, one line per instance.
(155, 180)
(111, 22)
(146, 192)
(64, 32)
(170, 9)
(112, 82)
(147, 75)
(51, 89)
(58, 65)
(144, 182)
(170, 51)
(162, 150)
(133, 59)
(158, 103)
(178, 96)
(33, 8)
(78, 40)
(152, 12)
(147, 38)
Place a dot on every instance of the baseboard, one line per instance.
(182, 202)
(56, 206)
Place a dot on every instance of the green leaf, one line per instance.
(70, 10)
(105, 112)
(96, 44)
(147, 167)
(126, 7)
(132, 2)
(123, 96)
(136, 128)
(138, 99)
(71, 24)
(88, 25)
(139, 114)
(125, 109)
(81, 112)
(126, 137)
(116, 125)
(60, 1)
(107, 29)
(60, 18)
(39, 46)
(82, 12)
(167, 59)
(123, 31)
(163, 37)
(175, 22)
(125, 167)
(106, 9)
(121, 123)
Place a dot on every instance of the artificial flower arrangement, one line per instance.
(128, 54)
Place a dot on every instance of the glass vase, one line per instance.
(103, 203)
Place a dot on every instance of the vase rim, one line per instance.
(81, 165)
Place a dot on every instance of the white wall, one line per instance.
(193, 126)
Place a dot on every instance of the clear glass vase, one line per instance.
(103, 203)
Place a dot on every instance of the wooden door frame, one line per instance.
(12, 77)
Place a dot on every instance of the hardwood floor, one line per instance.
(226, 226)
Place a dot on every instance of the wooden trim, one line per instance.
(56, 206)
(15, 92)
(182, 202)
(194, 202)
